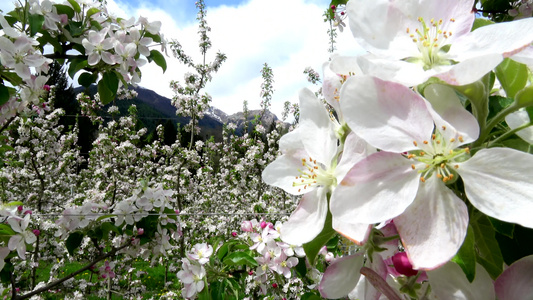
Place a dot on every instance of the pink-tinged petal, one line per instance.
(378, 265)
(389, 116)
(506, 39)
(355, 149)
(355, 232)
(341, 276)
(449, 283)
(498, 183)
(447, 110)
(516, 282)
(517, 119)
(317, 129)
(433, 228)
(377, 189)
(307, 221)
(470, 70)
(14, 241)
(525, 56)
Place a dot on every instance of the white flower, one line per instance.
(413, 40)
(406, 181)
(23, 236)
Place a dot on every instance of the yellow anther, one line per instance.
(442, 165)
(438, 142)
(413, 166)
(439, 176)
(407, 31)
(433, 136)
(461, 138)
(422, 179)
(427, 166)
(443, 127)
(426, 142)
(456, 167)
(452, 140)
(446, 178)
(410, 156)
(467, 150)
(422, 153)
(452, 19)
(415, 143)
(451, 176)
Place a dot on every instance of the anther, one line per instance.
(443, 127)
(415, 143)
(410, 156)
(422, 153)
(433, 136)
(426, 142)
(439, 176)
(413, 166)
(456, 167)
(442, 165)
(422, 179)
(452, 140)
(461, 138)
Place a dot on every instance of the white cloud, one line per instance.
(288, 35)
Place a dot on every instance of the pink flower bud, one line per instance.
(274, 285)
(36, 232)
(20, 208)
(251, 273)
(263, 225)
(140, 231)
(402, 264)
(247, 226)
(234, 234)
(28, 212)
(46, 87)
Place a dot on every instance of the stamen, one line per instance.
(415, 143)
(413, 166)
(422, 179)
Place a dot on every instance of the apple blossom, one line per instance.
(421, 152)
(201, 253)
(412, 41)
(308, 165)
(24, 235)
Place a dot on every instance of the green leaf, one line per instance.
(108, 227)
(74, 241)
(502, 227)
(86, 79)
(488, 250)
(239, 258)
(64, 10)
(159, 59)
(313, 247)
(107, 87)
(512, 76)
(92, 11)
(75, 28)
(524, 97)
(75, 5)
(497, 104)
(36, 23)
(46, 38)
(77, 64)
(105, 217)
(301, 267)
(480, 22)
(4, 94)
(155, 37)
(204, 294)
(310, 296)
(466, 257)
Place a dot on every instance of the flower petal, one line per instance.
(516, 282)
(498, 183)
(356, 232)
(341, 276)
(377, 189)
(517, 119)
(387, 115)
(447, 110)
(355, 149)
(283, 171)
(433, 228)
(307, 221)
(317, 130)
(449, 283)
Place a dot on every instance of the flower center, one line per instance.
(439, 159)
(313, 174)
(430, 39)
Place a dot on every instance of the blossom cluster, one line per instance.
(409, 139)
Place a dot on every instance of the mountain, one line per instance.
(154, 109)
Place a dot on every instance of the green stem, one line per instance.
(508, 133)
